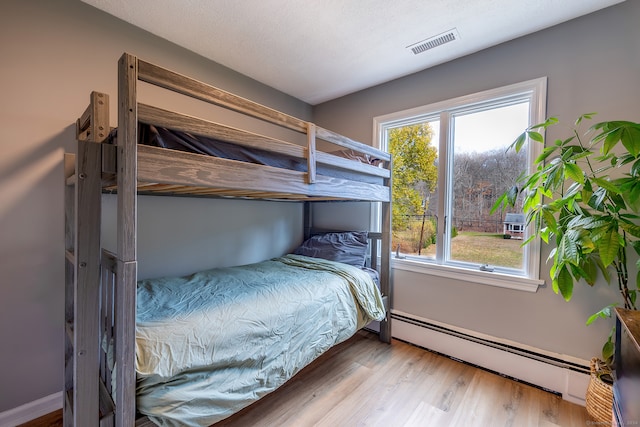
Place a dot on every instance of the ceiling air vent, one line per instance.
(435, 41)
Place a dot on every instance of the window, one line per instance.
(451, 163)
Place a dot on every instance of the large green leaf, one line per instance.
(584, 116)
(573, 171)
(590, 269)
(536, 136)
(630, 228)
(632, 196)
(563, 283)
(546, 152)
(607, 185)
(605, 313)
(568, 249)
(608, 246)
(519, 142)
(607, 350)
(635, 169)
(549, 219)
(630, 137)
(618, 131)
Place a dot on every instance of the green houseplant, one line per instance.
(583, 196)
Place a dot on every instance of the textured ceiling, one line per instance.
(317, 50)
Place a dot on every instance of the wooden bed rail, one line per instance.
(162, 77)
(185, 123)
(93, 124)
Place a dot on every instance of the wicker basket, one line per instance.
(599, 399)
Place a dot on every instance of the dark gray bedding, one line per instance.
(183, 141)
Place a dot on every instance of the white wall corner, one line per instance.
(32, 410)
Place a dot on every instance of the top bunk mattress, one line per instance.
(178, 162)
(163, 137)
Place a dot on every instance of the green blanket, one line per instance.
(209, 344)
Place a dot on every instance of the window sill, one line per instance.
(473, 276)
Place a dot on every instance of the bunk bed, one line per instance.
(160, 152)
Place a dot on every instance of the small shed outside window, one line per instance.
(514, 225)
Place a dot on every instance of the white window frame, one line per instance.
(534, 91)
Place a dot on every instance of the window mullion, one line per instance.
(443, 166)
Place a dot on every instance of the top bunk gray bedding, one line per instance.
(210, 344)
(183, 141)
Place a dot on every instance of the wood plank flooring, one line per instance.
(364, 382)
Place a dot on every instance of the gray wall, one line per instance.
(592, 64)
(54, 53)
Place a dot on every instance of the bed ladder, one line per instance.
(82, 403)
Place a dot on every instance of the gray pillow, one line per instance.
(349, 247)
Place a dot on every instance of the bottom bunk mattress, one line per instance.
(210, 344)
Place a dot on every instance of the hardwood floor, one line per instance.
(364, 382)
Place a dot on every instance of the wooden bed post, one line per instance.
(125, 295)
(83, 197)
(311, 153)
(385, 263)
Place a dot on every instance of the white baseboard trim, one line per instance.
(564, 375)
(32, 410)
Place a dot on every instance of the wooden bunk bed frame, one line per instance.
(100, 289)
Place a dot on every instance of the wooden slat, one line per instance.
(197, 126)
(345, 142)
(190, 169)
(353, 165)
(99, 116)
(125, 321)
(167, 79)
(69, 286)
(125, 295)
(311, 153)
(86, 292)
(386, 283)
(93, 124)
(127, 157)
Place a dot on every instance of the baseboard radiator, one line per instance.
(564, 376)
